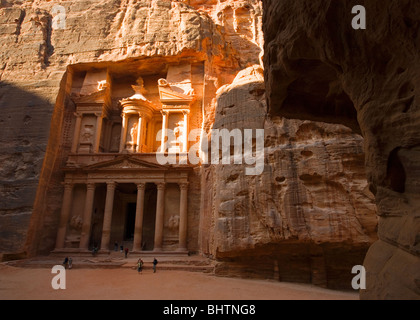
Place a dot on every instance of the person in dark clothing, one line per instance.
(139, 265)
(66, 261)
(126, 252)
(155, 262)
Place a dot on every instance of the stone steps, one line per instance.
(191, 264)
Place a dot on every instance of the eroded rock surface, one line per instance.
(36, 50)
(318, 67)
(310, 205)
(308, 217)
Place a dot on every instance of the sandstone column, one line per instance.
(183, 217)
(138, 228)
(65, 214)
(99, 120)
(109, 206)
(160, 210)
(87, 216)
(139, 133)
(185, 132)
(124, 129)
(76, 135)
(165, 115)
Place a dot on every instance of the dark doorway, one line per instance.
(150, 198)
(130, 219)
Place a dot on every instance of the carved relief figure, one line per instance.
(179, 130)
(173, 222)
(133, 133)
(87, 134)
(76, 223)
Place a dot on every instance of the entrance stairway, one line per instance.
(116, 260)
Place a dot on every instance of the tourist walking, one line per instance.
(155, 262)
(70, 263)
(126, 252)
(139, 265)
(65, 262)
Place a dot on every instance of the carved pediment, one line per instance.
(168, 95)
(96, 97)
(124, 162)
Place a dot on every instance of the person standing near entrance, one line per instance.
(155, 262)
(139, 265)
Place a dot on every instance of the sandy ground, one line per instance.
(127, 284)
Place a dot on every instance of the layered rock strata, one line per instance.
(318, 67)
(309, 216)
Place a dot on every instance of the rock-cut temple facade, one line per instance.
(115, 189)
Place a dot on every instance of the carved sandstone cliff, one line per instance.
(34, 60)
(318, 67)
(309, 216)
(41, 64)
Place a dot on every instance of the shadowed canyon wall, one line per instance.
(315, 65)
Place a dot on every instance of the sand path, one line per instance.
(127, 284)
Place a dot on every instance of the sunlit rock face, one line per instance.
(47, 51)
(318, 67)
(307, 216)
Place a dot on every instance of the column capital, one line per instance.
(111, 184)
(90, 185)
(160, 185)
(141, 186)
(185, 112)
(68, 184)
(183, 185)
(78, 115)
(164, 112)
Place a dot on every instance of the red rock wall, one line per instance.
(316, 59)
(309, 216)
(34, 58)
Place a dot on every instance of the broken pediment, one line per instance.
(96, 97)
(168, 95)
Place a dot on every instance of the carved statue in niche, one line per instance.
(76, 223)
(87, 134)
(177, 143)
(179, 133)
(173, 222)
(134, 133)
(179, 130)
